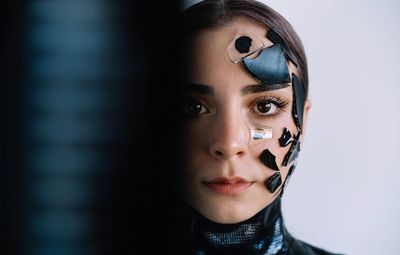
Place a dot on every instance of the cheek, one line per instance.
(194, 137)
(272, 153)
(192, 146)
(284, 129)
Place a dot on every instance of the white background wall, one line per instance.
(345, 193)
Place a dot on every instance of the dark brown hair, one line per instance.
(213, 13)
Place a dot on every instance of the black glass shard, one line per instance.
(293, 151)
(286, 138)
(277, 39)
(268, 159)
(285, 183)
(270, 66)
(299, 98)
(273, 182)
(291, 170)
(243, 44)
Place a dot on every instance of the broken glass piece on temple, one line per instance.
(299, 98)
(277, 39)
(269, 66)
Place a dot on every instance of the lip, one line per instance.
(228, 185)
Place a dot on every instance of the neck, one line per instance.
(261, 234)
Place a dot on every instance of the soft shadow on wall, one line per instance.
(82, 169)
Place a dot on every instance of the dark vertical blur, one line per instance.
(88, 133)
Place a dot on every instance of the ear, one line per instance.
(307, 106)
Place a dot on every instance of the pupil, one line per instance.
(195, 108)
(264, 107)
(243, 44)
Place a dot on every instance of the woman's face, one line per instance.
(224, 178)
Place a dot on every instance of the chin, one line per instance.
(228, 213)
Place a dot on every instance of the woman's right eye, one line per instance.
(192, 108)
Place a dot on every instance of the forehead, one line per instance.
(219, 38)
(207, 50)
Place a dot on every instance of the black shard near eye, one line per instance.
(273, 182)
(293, 151)
(243, 44)
(270, 66)
(286, 138)
(277, 39)
(299, 98)
(268, 159)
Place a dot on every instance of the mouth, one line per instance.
(228, 186)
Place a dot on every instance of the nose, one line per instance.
(229, 137)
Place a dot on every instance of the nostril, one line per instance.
(218, 153)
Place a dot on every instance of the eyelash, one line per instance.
(186, 107)
(279, 103)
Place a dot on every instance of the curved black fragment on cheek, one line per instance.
(286, 138)
(243, 44)
(270, 66)
(277, 39)
(273, 182)
(285, 183)
(268, 159)
(299, 98)
(293, 151)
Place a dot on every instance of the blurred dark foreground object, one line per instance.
(87, 136)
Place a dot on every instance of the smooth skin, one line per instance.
(217, 132)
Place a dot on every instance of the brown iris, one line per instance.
(193, 107)
(264, 106)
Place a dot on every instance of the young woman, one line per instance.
(244, 110)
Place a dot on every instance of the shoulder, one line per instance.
(297, 247)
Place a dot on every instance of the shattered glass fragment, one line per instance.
(293, 151)
(277, 39)
(286, 138)
(274, 182)
(270, 66)
(244, 45)
(299, 98)
(290, 172)
(261, 133)
(268, 159)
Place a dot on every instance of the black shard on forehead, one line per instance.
(277, 39)
(270, 66)
(299, 98)
(243, 44)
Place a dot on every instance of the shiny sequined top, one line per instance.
(263, 234)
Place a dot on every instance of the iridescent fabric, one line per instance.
(263, 234)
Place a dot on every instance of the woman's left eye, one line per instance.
(265, 107)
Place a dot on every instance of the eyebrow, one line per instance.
(197, 88)
(249, 89)
(256, 88)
